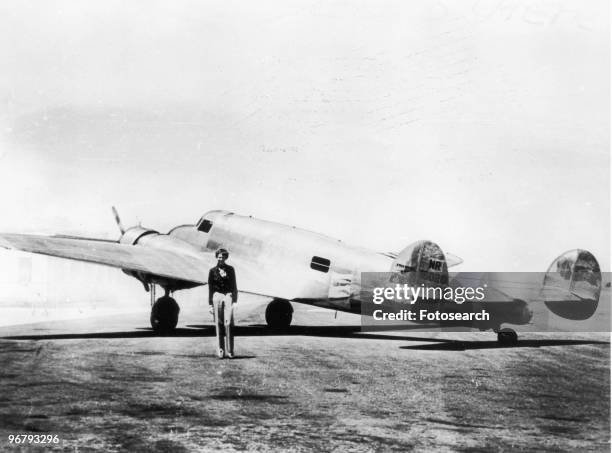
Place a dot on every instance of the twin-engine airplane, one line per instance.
(284, 263)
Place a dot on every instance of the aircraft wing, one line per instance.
(174, 261)
(169, 263)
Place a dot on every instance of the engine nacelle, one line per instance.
(151, 239)
(133, 235)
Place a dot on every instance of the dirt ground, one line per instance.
(109, 384)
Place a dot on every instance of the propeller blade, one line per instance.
(118, 220)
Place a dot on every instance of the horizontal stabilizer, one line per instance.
(453, 260)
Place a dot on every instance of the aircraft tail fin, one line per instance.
(572, 285)
(424, 260)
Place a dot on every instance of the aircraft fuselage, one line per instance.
(295, 264)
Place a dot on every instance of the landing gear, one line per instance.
(279, 314)
(507, 337)
(164, 313)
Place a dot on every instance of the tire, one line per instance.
(164, 315)
(279, 314)
(507, 337)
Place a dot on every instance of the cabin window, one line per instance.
(205, 226)
(320, 264)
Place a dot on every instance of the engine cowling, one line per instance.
(153, 240)
(134, 234)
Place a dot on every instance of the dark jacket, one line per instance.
(222, 280)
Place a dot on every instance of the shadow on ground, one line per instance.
(453, 345)
(354, 331)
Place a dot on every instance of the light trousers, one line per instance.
(224, 321)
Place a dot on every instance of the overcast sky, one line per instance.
(482, 125)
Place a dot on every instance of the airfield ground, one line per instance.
(109, 384)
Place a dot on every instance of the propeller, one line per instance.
(118, 220)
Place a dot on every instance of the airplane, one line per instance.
(289, 264)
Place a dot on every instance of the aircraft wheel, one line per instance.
(164, 315)
(279, 314)
(507, 337)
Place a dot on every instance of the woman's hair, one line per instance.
(223, 252)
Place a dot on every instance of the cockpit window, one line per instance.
(205, 226)
(320, 264)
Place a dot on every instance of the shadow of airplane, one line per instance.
(239, 331)
(352, 332)
(454, 345)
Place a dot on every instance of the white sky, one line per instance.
(482, 125)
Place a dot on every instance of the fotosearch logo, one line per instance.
(410, 294)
